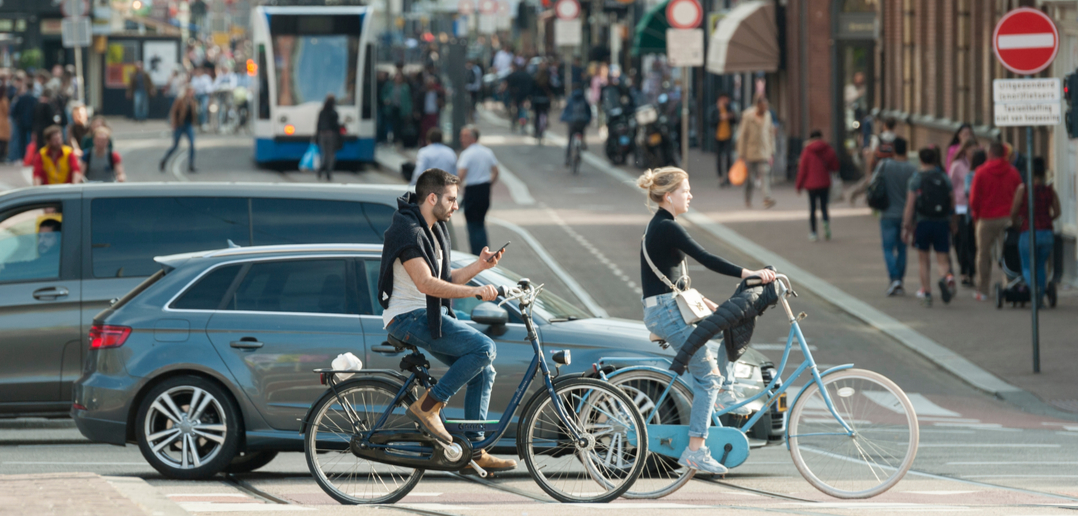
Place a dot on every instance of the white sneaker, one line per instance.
(895, 287)
(727, 398)
(702, 460)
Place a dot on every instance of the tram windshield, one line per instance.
(315, 55)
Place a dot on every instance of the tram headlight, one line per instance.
(289, 129)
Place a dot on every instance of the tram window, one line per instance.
(263, 85)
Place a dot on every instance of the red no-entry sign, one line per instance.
(1025, 41)
(684, 14)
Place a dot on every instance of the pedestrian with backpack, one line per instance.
(892, 178)
(101, 163)
(927, 223)
(882, 146)
(990, 198)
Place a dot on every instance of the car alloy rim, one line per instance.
(185, 427)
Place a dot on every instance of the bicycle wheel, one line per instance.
(608, 459)
(879, 453)
(576, 156)
(342, 475)
(661, 475)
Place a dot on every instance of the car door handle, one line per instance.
(246, 343)
(387, 349)
(50, 293)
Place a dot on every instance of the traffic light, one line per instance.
(1070, 94)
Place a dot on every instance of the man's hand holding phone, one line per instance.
(489, 259)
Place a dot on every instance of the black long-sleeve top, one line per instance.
(667, 244)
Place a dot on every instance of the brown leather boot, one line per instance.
(490, 464)
(430, 421)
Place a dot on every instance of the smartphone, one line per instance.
(498, 251)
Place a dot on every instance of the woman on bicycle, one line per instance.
(666, 243)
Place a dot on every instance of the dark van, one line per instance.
(67, 251)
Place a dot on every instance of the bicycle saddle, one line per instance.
(400, 345)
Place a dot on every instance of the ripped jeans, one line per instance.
(706, 367)
(468, 352)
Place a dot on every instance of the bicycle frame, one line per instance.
(495, 430)
(808, 364)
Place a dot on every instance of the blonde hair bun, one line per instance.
(646, 180)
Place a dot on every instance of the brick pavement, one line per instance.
(65, 494)
(999, 341)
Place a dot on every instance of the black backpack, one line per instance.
(934, 197)
(876, 195)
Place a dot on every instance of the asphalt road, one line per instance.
(976, 454)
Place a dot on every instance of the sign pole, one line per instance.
(80, 82)
(685, 118)
(1035, 296)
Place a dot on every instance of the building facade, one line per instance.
(930, 65)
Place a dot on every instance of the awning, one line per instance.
(650, 34)
(746, 40)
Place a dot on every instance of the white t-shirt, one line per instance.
(406, 297)
(503, 60)
(477, 160)
(435, 155)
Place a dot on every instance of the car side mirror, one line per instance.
(490, 314)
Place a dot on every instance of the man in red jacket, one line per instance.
(818, 159)
(990, 198)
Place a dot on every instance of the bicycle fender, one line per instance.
(379, 376)
(835, 369)
(666, 372)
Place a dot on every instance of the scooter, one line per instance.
(657, 136)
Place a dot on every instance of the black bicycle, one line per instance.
(583, 440)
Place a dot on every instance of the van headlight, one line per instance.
(743, 370)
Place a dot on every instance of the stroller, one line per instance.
(1016, 291)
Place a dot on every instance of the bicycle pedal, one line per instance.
(482, 472)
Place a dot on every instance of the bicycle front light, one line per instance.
(562, 357)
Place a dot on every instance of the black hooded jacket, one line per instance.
(409, 237)
(735, 318)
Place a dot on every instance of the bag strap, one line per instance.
(662, 277)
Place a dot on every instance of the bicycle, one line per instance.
(362, 449)
(831, 445)
(575, 150)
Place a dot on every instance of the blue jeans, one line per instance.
(468, 352)
(16, 147)
(188, 131)
(894, 249)
(705, 367)
(142, 105)
(203, 107)
(1045, 241)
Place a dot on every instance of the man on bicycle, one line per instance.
(577, 114)
(415, 284)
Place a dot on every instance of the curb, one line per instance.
(145, 496)
(915, 341)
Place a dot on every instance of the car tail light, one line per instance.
(105, 336)
(77, 406)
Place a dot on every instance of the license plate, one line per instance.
(781, 403)
(655, 139)
(623, 140)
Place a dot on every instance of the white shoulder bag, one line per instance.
(689, 300)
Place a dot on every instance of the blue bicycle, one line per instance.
(852, 433)
(583, 440)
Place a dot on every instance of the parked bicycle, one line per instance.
(852, 433)
(582, 439)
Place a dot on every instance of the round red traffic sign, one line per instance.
(466, 7)
(567, 9)
(684, 14)
(1025, 40)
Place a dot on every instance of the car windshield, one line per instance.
(548, 306)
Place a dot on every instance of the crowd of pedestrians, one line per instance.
(969, 197)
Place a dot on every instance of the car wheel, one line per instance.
(248, 462)
(188, 428)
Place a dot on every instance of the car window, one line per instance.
(301, 286)
(315, 221)
(127, 233)
(208, 292)
(363, 289)
(371, 271)
(30, 244)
